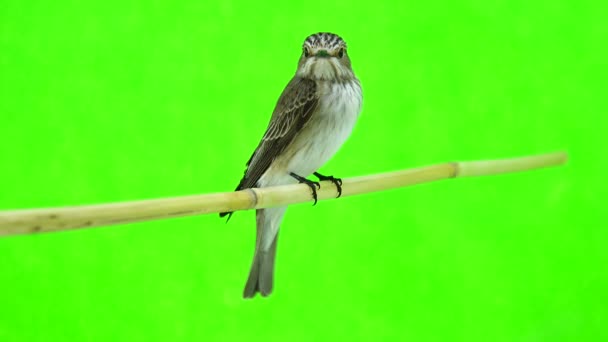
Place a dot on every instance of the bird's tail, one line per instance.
(261, 274)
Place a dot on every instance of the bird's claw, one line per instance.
(310, 184)
(337, 181)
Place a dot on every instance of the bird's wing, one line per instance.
(293, 110)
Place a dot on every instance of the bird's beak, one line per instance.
(322, 53)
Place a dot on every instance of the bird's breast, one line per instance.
(329, 126)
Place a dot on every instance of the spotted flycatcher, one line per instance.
(313, 117)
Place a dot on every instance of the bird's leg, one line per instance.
(310, 184)
(337, 181)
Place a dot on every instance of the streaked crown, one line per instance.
(324, 41)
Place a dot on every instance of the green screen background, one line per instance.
(123, 100)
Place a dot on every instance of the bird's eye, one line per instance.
(341, 52)
(306, 52)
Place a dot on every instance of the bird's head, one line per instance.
(324, 57)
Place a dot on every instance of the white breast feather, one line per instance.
(328, 129)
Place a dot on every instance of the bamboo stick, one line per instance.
(31, 221)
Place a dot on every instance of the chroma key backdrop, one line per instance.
(104, 101)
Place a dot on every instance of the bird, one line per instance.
(313, 117)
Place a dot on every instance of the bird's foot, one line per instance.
(337, 181)
(312, 185)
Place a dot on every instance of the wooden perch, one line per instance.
(31, 221)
